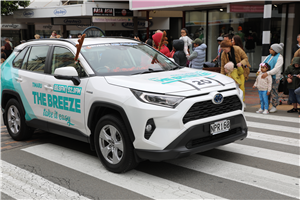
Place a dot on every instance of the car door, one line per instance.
(65, 100)
(29, 83)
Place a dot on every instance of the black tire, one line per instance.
(15, 121)
(116, 134)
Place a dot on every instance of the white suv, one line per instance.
(130, 102)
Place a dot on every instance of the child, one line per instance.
(292, 75)
(264, 86)
(179, 55)
(233, 72)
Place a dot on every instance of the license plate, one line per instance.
(219, 127)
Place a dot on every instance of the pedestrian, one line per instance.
(227, 37)
(296, 54)
(179, 55)
(218, 58)
(296, 46)
(53, 34)
(149, 42)
(7, 47)
(233, 72)
(186, 39)
(37, 36)
(236, 55)
(264, 86)
(197, 58)
(3, 55)
(2, 60)
(157, 37)
(275, 60)
(79, 35)
(237, 40)
(292, 75)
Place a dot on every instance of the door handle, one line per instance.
(48, 87)
(18, 79)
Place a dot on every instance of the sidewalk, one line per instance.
(253, 103)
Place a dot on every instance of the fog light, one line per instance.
(149, 128)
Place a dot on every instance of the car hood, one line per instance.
(185, 79)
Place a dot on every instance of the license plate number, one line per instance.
(219, 127)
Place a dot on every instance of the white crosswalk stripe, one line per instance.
(21, 184)
(156, 187)
(274, 139)
(273, 127)
(148, 185)
(282, 184)
(273, 117)
(267, 154)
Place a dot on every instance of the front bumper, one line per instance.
(198, 139)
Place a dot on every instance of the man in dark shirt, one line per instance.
(7, 47)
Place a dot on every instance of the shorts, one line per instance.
(293, 98)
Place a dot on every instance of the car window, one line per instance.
(125, 58)
(25, 60)
(62, 57)
(19, 59)
(37, 59)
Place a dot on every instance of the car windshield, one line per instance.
(125, 59)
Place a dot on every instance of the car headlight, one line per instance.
(157, 99)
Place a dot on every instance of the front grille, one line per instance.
(208, 108)
(212, 138)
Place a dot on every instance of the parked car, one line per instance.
(124, 98)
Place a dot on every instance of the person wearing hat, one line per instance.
(198, 56)
(218, 58)
(275, 60)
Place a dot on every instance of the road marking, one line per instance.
(139, 182)
(278, 183)
(273, 139)
(272, 117)
(273, 127)
(21, 184)
(257, 152)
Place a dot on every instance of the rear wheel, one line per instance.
(15, 119)
(113, 145)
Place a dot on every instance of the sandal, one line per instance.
(293, 110)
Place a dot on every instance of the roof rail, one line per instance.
(58, 39)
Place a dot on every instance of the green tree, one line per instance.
(8, 7)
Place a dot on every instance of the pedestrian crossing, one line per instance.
(201, 175)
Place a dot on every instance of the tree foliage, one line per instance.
(8, 7)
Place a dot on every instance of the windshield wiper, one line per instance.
(150, 70)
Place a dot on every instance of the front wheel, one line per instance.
(15, 121)
(113, 145)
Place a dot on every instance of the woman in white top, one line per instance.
(275, 60)
(187, 41)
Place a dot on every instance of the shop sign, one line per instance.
(28, 13)
(158, 4)
(13, 26)
(71, 21)
(60, 12)
(246, 8)
(112, 19)
(123, 12)
(141, 24)
(103, 11)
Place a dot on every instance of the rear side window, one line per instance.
(17, 63)
(37, 59)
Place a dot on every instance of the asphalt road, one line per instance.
(263, 166)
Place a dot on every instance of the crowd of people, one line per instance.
(233, 62)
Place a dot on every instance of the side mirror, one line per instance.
(67, 73)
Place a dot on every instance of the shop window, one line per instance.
(17, 63)
(37, 59)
